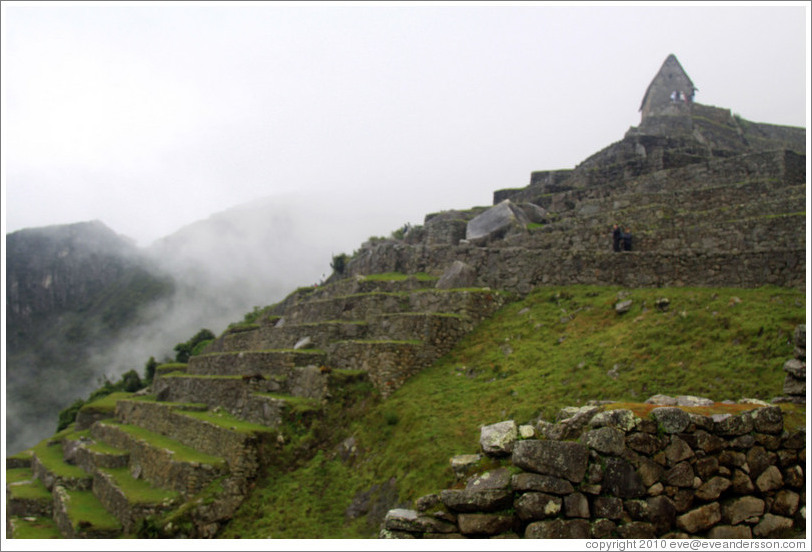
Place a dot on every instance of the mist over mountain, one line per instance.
(84, 303)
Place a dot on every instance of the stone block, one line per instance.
(576, 505)
(622, 480)
(534, 506)
(772, 526)
(730, 532)
(498, 439)
(524, 482)
(485, 524)
(497, 222)
(609, 507)
(700, 519)
(740, 509)
(558, 529)
(458, 275)
(671, 419)
(606, 440)
(560, 459)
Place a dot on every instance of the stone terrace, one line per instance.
(209, 426)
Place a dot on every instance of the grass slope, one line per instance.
(559, 346)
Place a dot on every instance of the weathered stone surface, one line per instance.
(742, 484)
(576, 505)
(498, 479)
(690, 400)
(707, 467)
(661, 513)
(498, 439)
(677, 451)
(649, 471)
(712, 489)
(768, 420)
(795, 368)
(769, 480)
(558, 529)
(730, 532)
(497, 222)
(794, 477)
(671, 419)
(458, 275)
(622, 307)
(606, 440)
(663, 400)
(603, 529)
(484, 524)
(734, 425)
(621, 418)
(700, 519)
(541, 483)
(708, 442)
(401, 519)
(681, 475)
(464, 463)
(609, 507)
(534, 506)
(636, 530)
(644, 443)
(622, 480)
(561, 459)
(785, 503)
(772, 526)
(465, 500)
(758, 459)
(740, 509)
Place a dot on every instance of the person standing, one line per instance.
(616, 237)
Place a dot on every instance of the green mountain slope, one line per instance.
(558, 346)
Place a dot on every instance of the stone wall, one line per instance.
(158, 465)
(611, 474)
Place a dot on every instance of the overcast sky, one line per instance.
(149, 116)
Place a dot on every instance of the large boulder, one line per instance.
(458, 275)
(498, 439)
(497, 222)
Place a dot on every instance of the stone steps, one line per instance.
(80, 515)
(128, 499)
(288, 335)
(240, 443)
(49, 466)
(89, 455)
(32, 527)
(161, 461)
(273, 364)
(25, 495)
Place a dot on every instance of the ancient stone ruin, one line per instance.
(611, 474)
(711, 200)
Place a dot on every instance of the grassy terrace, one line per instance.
(84, 510)
(35, 528)
(559, 346)
(21, 484)
(227, 421)
(50, 455)
(138, 491)
(106, 404)
(180, 452)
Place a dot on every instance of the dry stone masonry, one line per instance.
(611, 474)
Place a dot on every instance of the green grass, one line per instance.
(106, 404)
(51, 457)
(559, 346)
(181, 452)
(84, 508)
(21, 484)
(227, 421)
(138, 491)
(36, 528)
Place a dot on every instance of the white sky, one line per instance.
(149, 116)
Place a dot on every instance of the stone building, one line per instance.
(670, 93)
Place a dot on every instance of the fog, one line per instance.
(152, 116)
